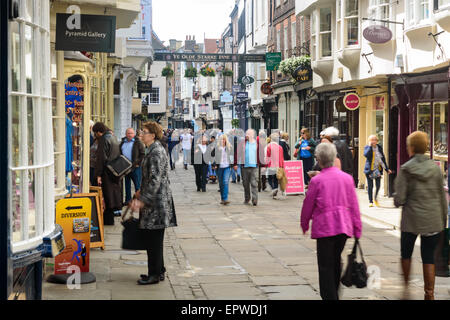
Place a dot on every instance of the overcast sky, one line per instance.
(174, 19)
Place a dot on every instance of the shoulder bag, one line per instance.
(120, 166)
(356, 272)
(132, 235)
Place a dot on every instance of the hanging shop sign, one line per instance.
(74, 98)
(340, 105)
(85, 32)
(144, 86)
(302, 74)
(273, 60)
(246, 80)
(242, 95)
(377, 34)
(226, 97)
(74, 216)
(235, 89)
(266, 88)
(196, 95)
(351, 101)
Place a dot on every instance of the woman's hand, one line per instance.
(99, 181)
(389, 171)
(136, 205)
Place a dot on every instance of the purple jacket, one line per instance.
(332, 204)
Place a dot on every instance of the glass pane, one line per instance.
(29, 57)
(339, 9)
(379, 123)
(54, 102)
(16, 157)
(15, 56)
(351, 8)
(32, 203)
(28, 10)
(440, 129)
(16, 205)
(326, 44)
(55, 132)
(352, 31)
(443, 3)
(424, 13)
(425, 91)
(424, 118)
(325, 19)
(30, 127)
(313, 23)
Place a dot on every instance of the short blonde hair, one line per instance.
(418, 141)
(373, 136)
(285, 136)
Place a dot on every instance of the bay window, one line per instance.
(380, 10)
(325, 33)
(418, 11)
(347, 23)
(30, 142)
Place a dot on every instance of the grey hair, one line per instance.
(331, 131)
(326, 154)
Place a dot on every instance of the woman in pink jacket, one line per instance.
(332, 205)
(274, 160)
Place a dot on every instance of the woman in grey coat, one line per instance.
(154, 202)
(419, 188)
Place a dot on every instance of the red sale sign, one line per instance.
(294, 174)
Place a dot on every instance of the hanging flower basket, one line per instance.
(207, 72)
(227, 73)
(288, 66)
(190, 73)
(167, 72)
(235, 123)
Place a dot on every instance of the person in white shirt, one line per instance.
(186, 144)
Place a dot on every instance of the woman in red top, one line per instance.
(274, 160)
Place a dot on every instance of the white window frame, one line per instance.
(294, 34)
(43, 161)
(313, 28)
(322, 33)
(413, 11)
(444, 6)
(339, 24)
(375, 12)
(152, 93)
(342, 24)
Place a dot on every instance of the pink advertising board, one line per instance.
(294, 173)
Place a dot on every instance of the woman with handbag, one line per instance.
(108, 149)
(154, 202)
(419, 188)
(332, 205)
(305, 148)
(373, 169)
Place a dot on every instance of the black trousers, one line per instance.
(427, 246)
(307, 166)
(155, 251)
(201, 172)
(370, 187)
(329, 252)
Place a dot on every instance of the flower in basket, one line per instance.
(227, 73)
(190, 73)
(288, 66)
(167, 72)
(207, 72)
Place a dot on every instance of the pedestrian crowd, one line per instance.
(330, 205)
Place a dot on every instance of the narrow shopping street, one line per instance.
(243, 252)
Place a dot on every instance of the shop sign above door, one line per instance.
(377, 34)
(94, 33)
(302, 74)
(247, 80)
(351, 101)
(144, 86)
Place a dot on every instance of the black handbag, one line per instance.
(120, 166)
(132, 235)
(356, 272)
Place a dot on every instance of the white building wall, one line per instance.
(158, 82)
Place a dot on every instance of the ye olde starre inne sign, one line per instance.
(351, 101)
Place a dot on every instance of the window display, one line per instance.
(436, 129)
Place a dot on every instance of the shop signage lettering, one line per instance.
(74, 92)
(96, 33)
(226, 97)
(242, 95)
(247, 80)
(301, 74)
(377, 34)
(144, 86)
(294, 174)
(351, 101)
(236, 88)
(273, 60)
(209, 57)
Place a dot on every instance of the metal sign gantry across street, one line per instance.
(209, 57)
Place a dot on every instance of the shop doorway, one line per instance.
(393, 146)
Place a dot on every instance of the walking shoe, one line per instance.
(226, 202)
(203, 190)
(255, 203)
(370, 205)
(233, 181)
(185, 167)
(238, 178)
(247, 202)
(117, 213)
(376, 203)
(222, 202)
(274, 193)
(198, 189)
(162, 276)
(148, 280)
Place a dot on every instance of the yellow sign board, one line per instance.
(74, 216)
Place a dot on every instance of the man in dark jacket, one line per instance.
(132, 148)
(343, 151)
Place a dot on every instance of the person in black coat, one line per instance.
(200, 163)
(284, 144)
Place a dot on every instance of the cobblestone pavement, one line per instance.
(245, 252)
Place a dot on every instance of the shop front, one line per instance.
(420, 101)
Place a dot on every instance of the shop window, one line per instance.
(154, 96)
(440, 116)
(417, 11)
(325, 32)
(31, 201)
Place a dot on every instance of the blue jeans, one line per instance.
(233, 173)
(136, 176)
(224, 179)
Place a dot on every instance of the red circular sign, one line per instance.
(351, 101)
(266, 88)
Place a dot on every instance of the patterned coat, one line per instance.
(159, 209)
